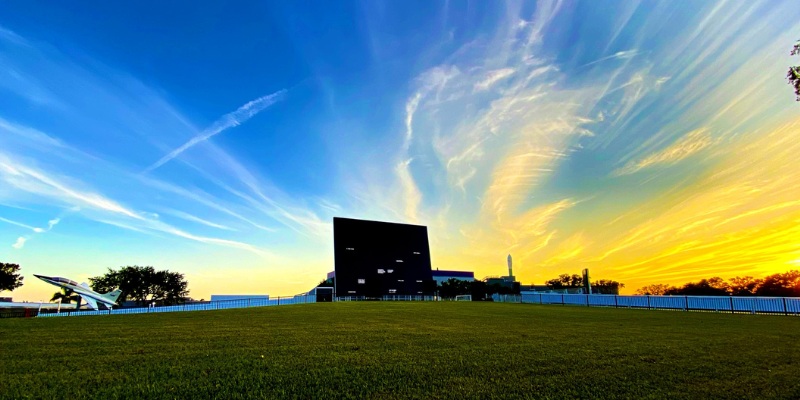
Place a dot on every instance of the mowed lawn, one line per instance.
(403, 350)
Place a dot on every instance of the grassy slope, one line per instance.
(403, 350)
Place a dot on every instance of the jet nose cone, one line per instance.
(41, 276)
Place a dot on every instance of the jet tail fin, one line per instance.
(113, 295)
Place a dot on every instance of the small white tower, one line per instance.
(510, 270)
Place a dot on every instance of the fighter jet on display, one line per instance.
(90, 296)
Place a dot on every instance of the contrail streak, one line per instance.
(230, 120)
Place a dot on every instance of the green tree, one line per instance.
(794, 72)
(67, 296)
(144, 285)
(10, 278)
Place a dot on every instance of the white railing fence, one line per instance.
(749, 305)
(212, 305)
(731, 304)
(388, 297)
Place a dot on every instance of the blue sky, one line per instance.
(651, 142)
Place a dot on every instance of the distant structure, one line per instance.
(443, 276)
(375, 259)
(587, 284)
(508, 281)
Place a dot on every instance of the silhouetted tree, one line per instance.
(603, 286)
(607, 286)
(777, 285)
(10, 278)
(743, 286)
(565, 281)
(502, 289)
(794, 72)
(784, 285)
(658, 289)
(454, 287)
(328, 283)
(705, 287)
(478, 290)
(143, 285)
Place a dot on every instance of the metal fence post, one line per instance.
(562, 299)
(731, 304)
(686, 304)
(587, 300)
(785, 309)
(648, 302)
(279, 300)
(616, 305)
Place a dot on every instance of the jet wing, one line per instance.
(90, 296)
(90, 301)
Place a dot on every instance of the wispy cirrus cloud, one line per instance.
(493, 77)
(620, 55)
(192, 218)
(690, 144)
(228, 121)
(94, 205)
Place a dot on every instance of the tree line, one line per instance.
(601, 286)
(785, 284)
(142, 285)
(479, 290)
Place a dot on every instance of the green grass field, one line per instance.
(403, 350)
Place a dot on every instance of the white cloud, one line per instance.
(39, 182)
(411, 194)
(53, 222)
(192, 218)
(20, 242)
(688, 145)
(620, 55)
(493, 77)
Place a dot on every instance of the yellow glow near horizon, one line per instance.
(742, 217)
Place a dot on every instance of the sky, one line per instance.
(652, 142)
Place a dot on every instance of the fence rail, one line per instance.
(388, 297)
(749, 305)
(213, 305)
